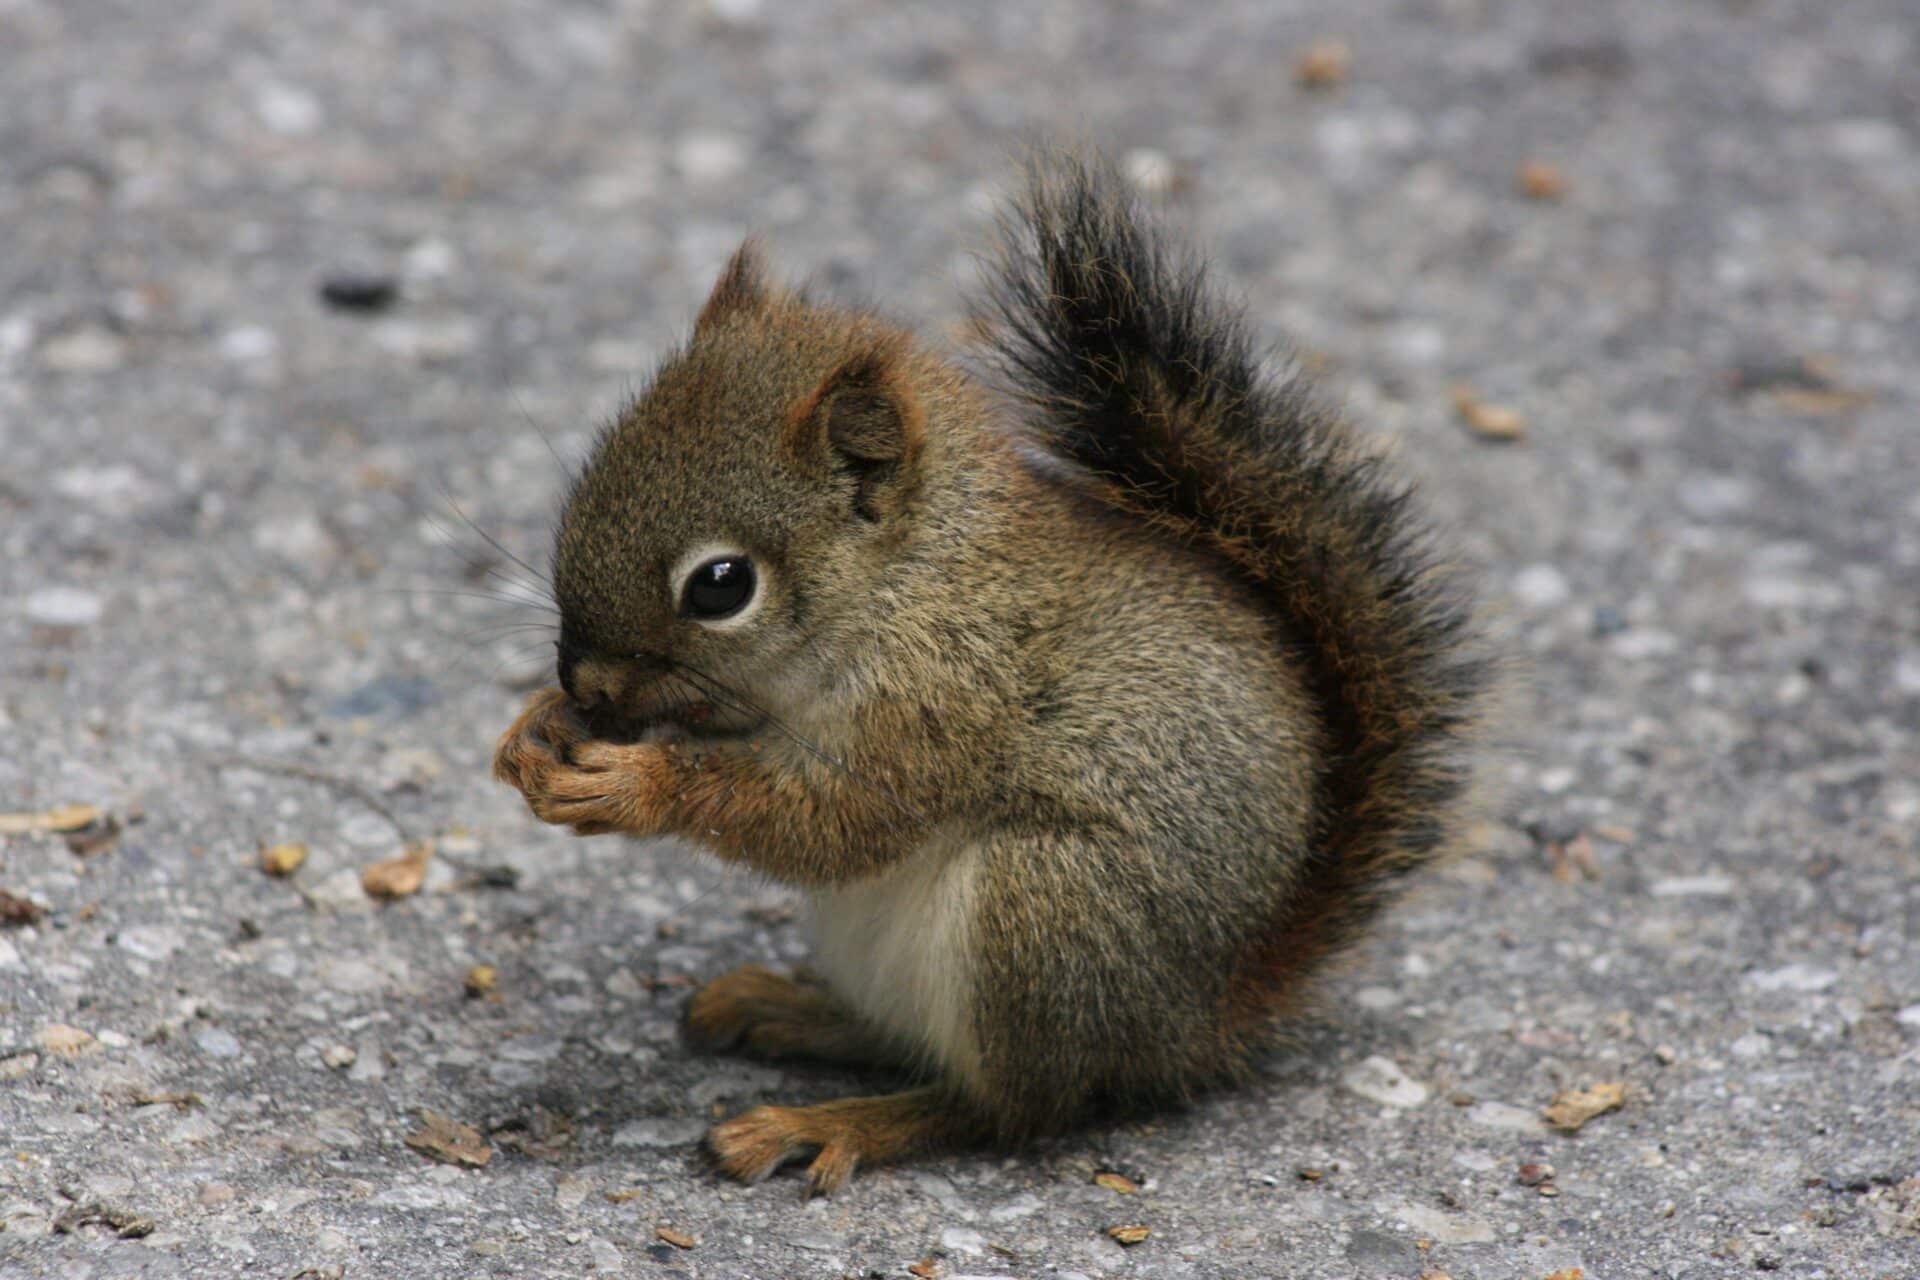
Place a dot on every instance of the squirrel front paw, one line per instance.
(571, 780)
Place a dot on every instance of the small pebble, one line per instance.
(64, 607)
(710, 157)
(363, 293)
(89, 350)
(217, 1042)
(66, 1041)
(1538, 180)
(1324, 65)
(287, 109)
(283, 859)
(1381, 1080)
(339, 1056)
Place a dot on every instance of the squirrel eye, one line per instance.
(719, 588)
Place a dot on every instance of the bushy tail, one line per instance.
(1134, 369)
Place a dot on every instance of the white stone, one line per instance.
(89, 350)
(1148, 169)
(1643, 642)
(103, 485)
(64, 607)
(1504, 1116)
(297, 535)
(248, 343)
(1794, 977)
(671, 1131)
(1021, 1206)
(419, 1196)
(571, 1192)
(1788, 591)
(738, 12)
(1381, 1080)
(1712, 495)
(963, 1240)
(604, 1255)
(430, 259)
(1868, 139)
(287, 109)
(710, 156)
(151, 942)
(350, 974)
(1541, 586)
(1906, 671)
(1442, 1227)
(531, 1048)
(1909, 1016)
(1707, 886)
(217, 1042)
(341, 891)
(1554, 781)
(9, 957)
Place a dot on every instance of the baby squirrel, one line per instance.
(1093, 710)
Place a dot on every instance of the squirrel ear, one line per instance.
(742, 286)
(869, 423)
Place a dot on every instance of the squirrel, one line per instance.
(1094, 702)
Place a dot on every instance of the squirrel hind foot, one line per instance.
(843, 1136)
(764, 1014)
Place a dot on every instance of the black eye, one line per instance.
(719, 588)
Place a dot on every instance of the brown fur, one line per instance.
(1162, 664)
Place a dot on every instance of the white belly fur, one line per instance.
(898, 948)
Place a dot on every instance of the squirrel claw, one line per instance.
(842, 1135)
(751, 1146)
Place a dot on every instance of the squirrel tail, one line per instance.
(1136, 370)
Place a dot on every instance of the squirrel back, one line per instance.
(1133, 369)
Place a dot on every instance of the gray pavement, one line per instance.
(228, 532)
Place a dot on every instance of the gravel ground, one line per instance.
(234, 521)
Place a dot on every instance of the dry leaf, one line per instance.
(179, 1101)
(95, 838)
(17, 910)
(1818, 404)
(1324, 65)
(621, 1197)
(481, 980)
(449, 1141)
(68, 1042)
(1540, 181)
(1569, 1273)
(398, 877)
(1119, 1182)
(125, 1224)
(678, 1239)
(1572, 1108)
(283, 859)
(1488, 421)
(66, 817)
(1130, 1235)
(926, 1269)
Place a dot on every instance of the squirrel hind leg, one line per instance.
(764, 1014)
(843, 1135)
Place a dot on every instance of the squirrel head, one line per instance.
(752, 496)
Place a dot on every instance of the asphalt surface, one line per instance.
(231, 515)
